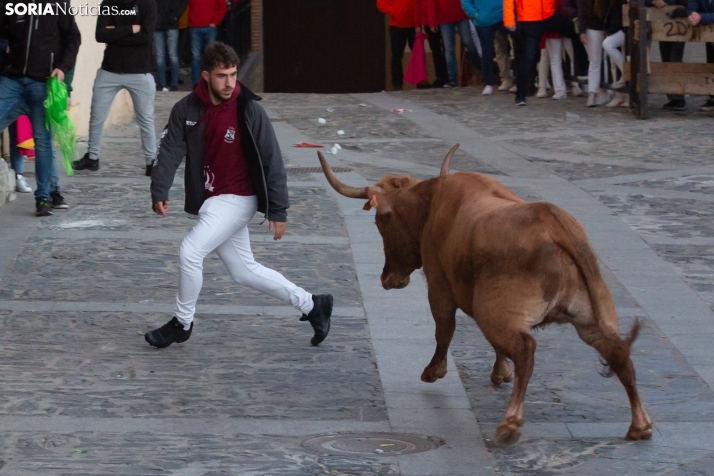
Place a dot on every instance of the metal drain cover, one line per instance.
(370, 444)
(314, 170)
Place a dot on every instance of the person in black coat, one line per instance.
(36, 54)
(166, 38)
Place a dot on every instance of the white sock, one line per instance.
(187, 326)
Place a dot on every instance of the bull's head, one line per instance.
(402, 208)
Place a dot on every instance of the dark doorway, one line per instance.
(323, 46)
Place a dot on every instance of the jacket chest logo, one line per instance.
(230, 135)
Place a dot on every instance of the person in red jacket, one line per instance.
(401, 31)
(203, 18)
(450, 18)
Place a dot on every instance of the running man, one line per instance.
(233, 169)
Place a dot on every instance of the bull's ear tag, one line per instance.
(373, 201)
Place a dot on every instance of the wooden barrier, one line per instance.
(654, 24)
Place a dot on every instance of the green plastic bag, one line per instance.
(57, 120)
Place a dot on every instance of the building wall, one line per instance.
(89, 60)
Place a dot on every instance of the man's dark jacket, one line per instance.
(168, 12)
(128, 52)
(39, 43)
(183, 136)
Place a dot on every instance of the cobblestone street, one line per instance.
(83, 394)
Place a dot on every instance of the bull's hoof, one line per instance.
(506, 434)
(432, 374)
(644, 433)
(497, 379)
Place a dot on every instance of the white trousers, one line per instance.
(554, 47)
(595, 38)
(223, 226)
(611, 45)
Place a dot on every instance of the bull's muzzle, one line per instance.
(394, 282)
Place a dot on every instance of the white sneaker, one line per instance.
(487, 91)
(619, 84)
(559, 95)
(506, 84)
(576, 91)
(22, 186)
(542, 93)
(164, 89)
(614, 103)
(603, 97)
(591, 100)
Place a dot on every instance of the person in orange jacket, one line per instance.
(401, 32)
(534, 18)
(450, 18)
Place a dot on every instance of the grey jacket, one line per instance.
(183, 137)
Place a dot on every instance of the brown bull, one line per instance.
(509, 264)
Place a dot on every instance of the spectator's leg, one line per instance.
(595, 38)
(398, 41)
(672, 52)
(464, 27)
(35, 96)
(543, 70)
(17, 161)
(503, 54)
(612, 45)
(143, 91)
(710, 59)
(106, 87)
(448, 34)
(172, 46)
(160, 47)
(211, 34)
(54, 175)
(436, 45)
(196, 52)
(530, 34)
(487, 36)
(555, 48)
(12, 101)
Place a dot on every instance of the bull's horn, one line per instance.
(342, 189)
(447, 161)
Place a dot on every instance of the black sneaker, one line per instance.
(149, 168)
(85, 163)
(520, 102)
(319, 317)
(57, 201)
(708, 106)
(43, 207)
(676, 105)
(167, 334)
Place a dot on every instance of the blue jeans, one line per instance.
(448, 32)
(163, 40)
(200, 38)
(487, 35)
(26, 96)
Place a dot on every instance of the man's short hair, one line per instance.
(218, 55)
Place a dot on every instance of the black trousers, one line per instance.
(672, 52)
(398, 38)
(436, 44)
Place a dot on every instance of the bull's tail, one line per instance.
(571, 237)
